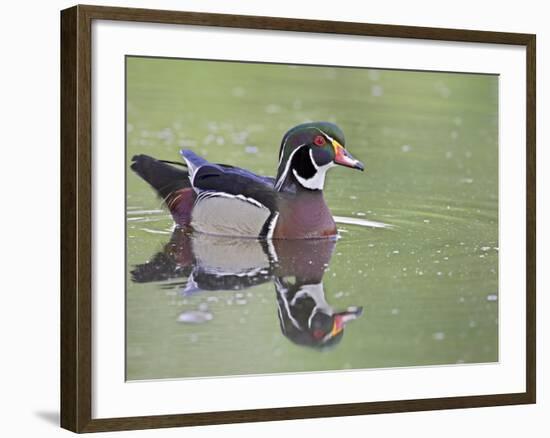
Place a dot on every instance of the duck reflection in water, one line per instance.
(296, 267)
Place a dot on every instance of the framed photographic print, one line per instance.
(268, 218)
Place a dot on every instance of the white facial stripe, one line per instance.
(326, 135)
(283, 294)
(279, 182)
(282, 153)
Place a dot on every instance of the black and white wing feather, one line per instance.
(230, 200)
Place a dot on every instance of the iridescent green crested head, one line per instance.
(308, 151)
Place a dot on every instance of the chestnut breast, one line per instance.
(304, 216)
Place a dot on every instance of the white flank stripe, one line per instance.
(271, 250)
(272, 225)
(208, 194)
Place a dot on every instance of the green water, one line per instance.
(428, 286)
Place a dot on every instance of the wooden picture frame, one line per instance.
(76, 217)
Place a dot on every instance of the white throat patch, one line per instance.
(317, 181)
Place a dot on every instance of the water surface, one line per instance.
(421, 292)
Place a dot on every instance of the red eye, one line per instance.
(319, 140)
(318, 333)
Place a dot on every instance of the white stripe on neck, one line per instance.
(281, 180)
(317, 181)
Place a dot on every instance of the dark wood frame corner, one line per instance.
(76, 222)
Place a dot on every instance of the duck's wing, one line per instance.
(231, 200)
(199, 168)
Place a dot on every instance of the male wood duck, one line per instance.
(225, 200)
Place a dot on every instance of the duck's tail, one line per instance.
(171, 184)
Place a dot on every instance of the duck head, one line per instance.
(308, 151)
(306, 318)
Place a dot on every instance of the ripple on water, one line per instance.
(361, 222)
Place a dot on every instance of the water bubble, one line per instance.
(406, 148)
(238, 92)
(492, 297)
(194, 317)
(251, 149)
(212, 126)
(442, 89)
(373, 75)
(272, 109)
(203, 307)
(377, 90)
(439, 336)
(395, 311)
